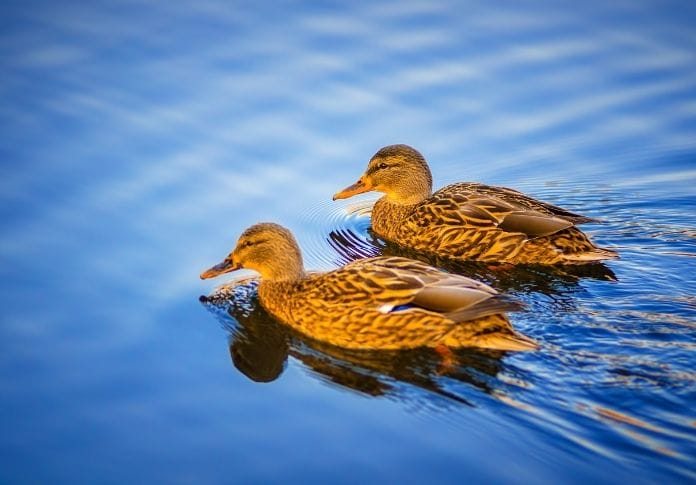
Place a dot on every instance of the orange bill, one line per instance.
(226, 266)
(357, 188)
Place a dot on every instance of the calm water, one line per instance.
(140, 138)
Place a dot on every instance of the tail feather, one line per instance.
(596, 254)
(578, 219)
(504, 341)
(494, 305)
(575, 246)
(493, 332)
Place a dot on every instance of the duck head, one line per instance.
(399, 171)
(268, 249)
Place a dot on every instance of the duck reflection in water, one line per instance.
(259, 347)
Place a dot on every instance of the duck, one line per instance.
(468, 221)
(378, 303)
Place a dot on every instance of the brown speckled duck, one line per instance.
(376, 303)
(468, 221)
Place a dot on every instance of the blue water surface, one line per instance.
(139, 138)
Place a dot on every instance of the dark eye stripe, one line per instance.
(252, 243)
(379, 166)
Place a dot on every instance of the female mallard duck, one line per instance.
(376, 303)
(468, 221)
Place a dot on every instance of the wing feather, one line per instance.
(487, 211)
(534, 224)
(513, 198)
(389, 282)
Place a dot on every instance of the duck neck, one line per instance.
(287, 268)
(276, 297)
(410, 191)
(388, 216)
(279, 280)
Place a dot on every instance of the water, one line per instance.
(139, 139)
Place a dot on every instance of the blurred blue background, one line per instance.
(138, 139)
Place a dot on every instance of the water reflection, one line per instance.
(260, 346)
(139, 136)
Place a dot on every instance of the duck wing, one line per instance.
(394, 284)
(514, 198)
(486, 212)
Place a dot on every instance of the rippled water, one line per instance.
(139, 139)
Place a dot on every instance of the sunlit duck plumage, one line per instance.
(376, 303)
(468, 221)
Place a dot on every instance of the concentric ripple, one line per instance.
(339, 233)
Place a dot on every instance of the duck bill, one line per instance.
(357, 188)
(226, 266)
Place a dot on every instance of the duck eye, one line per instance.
(382, 166)
(254, 242)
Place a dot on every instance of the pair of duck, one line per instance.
(398, 303)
